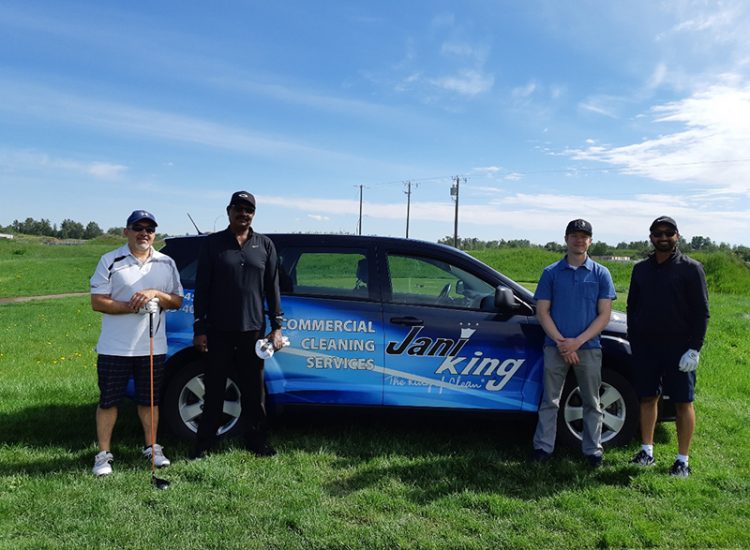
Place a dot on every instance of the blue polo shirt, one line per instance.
(574, 294)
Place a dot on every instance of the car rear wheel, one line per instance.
(182, 405)
(619, 404)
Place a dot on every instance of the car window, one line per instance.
(183, 252)
(335, 274)
(427, 281)
(187, 274)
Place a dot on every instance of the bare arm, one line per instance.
(104, 303)
(166, 301)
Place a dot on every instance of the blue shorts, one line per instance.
(115, 371)
(656, 372)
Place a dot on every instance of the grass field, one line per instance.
(354, 481)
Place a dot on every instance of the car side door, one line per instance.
(446, 343)
(333, 318)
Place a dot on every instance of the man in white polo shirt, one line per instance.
(128, 284)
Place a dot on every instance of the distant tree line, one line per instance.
(69, 229)
(633, 249)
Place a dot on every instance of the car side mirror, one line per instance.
(505, 301)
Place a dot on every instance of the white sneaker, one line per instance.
(159, 459)
(103, 463)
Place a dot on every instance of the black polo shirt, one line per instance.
(232, 281)
(668, 301)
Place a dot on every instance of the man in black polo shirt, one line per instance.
(667, 321)
(237, 269)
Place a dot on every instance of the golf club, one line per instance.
(155, 481)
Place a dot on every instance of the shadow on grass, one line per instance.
(433, 455)
(59, 438)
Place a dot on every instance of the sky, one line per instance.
(546, 111)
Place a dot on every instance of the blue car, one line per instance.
(387, 322)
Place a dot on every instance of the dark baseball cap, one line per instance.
(139, 215)
(578, 225)
(663, 220)
(242, 196)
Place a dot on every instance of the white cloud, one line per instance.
(106, 170)
(525, 91)
(458, 49)
(596, 106)
(657, 77)
(489, 170)
(468, 82)
(39, 102)
(29, 160)
(318, 217)
(710, 147)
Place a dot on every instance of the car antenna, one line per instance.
(194, 224)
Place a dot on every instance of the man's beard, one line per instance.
(665, 246)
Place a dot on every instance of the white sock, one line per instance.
(683, 458)
(649, 449)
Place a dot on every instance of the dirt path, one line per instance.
(19, 299)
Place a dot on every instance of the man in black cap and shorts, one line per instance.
(667, 321)
(130, 284)
(237, 270)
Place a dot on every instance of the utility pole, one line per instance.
(359, 224)
(408, 205)
(454, 194)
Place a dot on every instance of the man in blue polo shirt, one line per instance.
(574, 302)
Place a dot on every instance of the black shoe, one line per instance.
(257, 442)
(679, 469)
(262, 449)
(643, 459)
(200, 451)
(538, 455)
(595, 461)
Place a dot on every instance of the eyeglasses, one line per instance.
(668, 233)
(244, 209)
(147, 228)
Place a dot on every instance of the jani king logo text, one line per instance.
(453, 364)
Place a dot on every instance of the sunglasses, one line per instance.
(668, 233)
(243, 209)
(147, 228)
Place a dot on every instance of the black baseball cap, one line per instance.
(139, 215)
(242, 196)
(578, 225)
(663, 220)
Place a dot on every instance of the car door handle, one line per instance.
(408, 321)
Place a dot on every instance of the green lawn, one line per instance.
(354, 481)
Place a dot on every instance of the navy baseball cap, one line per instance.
(578, 225)
(139, 215)
(663, 220)
(242, 196)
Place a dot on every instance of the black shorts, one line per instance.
(115, 372)
(656, 371)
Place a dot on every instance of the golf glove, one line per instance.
(264, 347)
(151, 307)
(689, 360)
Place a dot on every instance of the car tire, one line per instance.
(182, 404)
(619, 404)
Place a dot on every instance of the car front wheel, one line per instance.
(182, 405)
(619, 404)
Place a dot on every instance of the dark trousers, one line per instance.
(233, 353)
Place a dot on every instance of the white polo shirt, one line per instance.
(120, 275)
